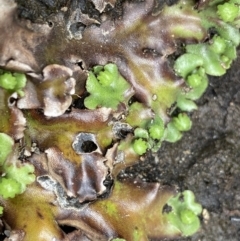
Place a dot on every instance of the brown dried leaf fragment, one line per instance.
(57, 88)
(83, 180)
(52, 92)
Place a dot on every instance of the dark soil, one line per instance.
(206, 160)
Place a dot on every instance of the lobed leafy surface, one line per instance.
(95, 101)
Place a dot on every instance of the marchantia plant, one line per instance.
(83, 97)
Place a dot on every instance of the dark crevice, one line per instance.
(50, 24)
(79, 102)
(123, 133)
(166, 209)
(212, 31)
(2, 236)
(85, 143)
(80, 63)
(88, 146)
(121, 130)
(108, 183)
(67, 229)
(3, 231)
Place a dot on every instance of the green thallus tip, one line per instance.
(228, 12)
(218, 44)
(184, 213)
(105, 78)
(182, 122)
(156, 128)
(140, 146)
(187, 216)
(141, 133)
(194, 80)
(156, 131)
